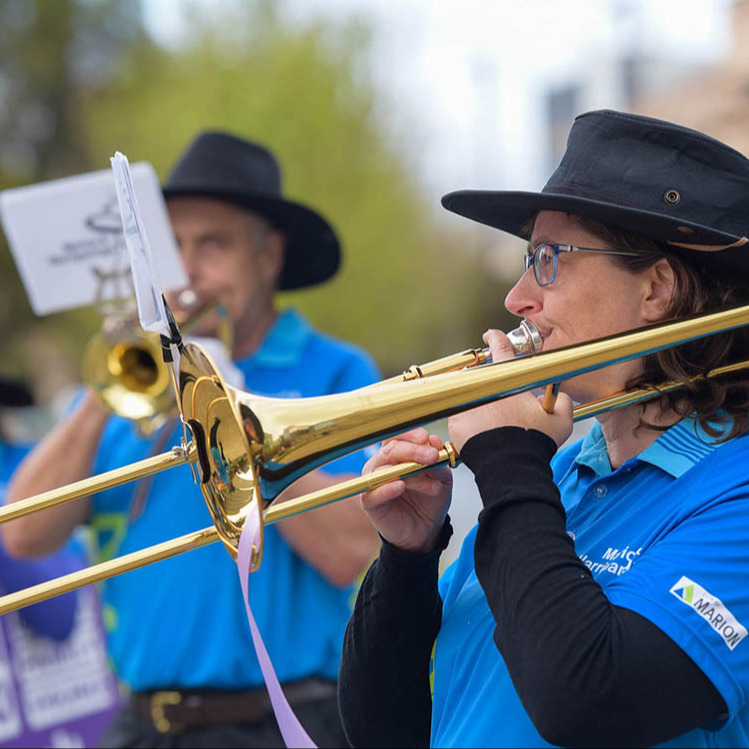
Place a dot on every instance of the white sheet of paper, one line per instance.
(148, 290)
(63, 234)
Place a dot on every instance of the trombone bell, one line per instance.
(225, 451)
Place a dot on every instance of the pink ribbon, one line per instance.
(291, 729)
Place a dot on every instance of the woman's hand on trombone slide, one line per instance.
(409, 513)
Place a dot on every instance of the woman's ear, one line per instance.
(660, 286)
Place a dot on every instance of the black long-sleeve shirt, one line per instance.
(608, 677)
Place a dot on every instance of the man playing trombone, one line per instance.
(178, 633)
(602, 598)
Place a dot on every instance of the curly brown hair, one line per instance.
(717, 401)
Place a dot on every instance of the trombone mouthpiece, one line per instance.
(525, 339)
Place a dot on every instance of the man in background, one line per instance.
(178, 634)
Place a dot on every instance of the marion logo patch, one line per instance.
(711, 609)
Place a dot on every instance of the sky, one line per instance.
(463, 81)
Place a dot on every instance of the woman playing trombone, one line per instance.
(602, 598)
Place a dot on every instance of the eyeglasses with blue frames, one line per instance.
(545, 258)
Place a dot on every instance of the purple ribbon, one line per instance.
(291, 729)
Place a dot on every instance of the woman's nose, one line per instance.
(524, 298)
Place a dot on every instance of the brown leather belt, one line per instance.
(175, 711)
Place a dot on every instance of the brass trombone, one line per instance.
(247, 449)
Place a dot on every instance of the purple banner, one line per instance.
(55, 694)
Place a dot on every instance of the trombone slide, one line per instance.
(252, 448)
(177, 456)
(275, 513)
(198, 539)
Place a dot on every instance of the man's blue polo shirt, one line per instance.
(665, 535)
(181, 622)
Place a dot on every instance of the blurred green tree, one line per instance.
(406, 291)
(53, 55)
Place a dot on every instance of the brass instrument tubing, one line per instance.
(345, 489)
(175, 457)
(300, 435)
(447, 455)
(105, 570)
(190, 541)
(393, 409)
(274, 513)
(467, 358)
(628, 397)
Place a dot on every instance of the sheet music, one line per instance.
(66, 238)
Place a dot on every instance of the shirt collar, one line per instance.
(593, 452)
(681, 447)
(675, 451)
(285, 341)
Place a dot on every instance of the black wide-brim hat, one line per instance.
(224, 167)
(669, 183)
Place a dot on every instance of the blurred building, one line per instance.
(626, 68)
(635, 75)
(711, 98)
(717, 100)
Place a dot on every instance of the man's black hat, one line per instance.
(225, 167)
(14, 394)
(672, 184)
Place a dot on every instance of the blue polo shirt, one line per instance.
(181, 622)
(665, 535)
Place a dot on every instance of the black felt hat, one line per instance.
(672, 184)
(14, 394)
(222, 166)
